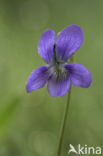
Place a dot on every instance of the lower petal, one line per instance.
(37, 78)
(80, 76)
(58, 87)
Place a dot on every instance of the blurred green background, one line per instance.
(30, 123)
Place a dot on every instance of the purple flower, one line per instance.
(58, 73)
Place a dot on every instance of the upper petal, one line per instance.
(59, 87)
(80, 76)
(46, 45)
(37, 78)
(68, 41)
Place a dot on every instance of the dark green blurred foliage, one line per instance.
(30, 123)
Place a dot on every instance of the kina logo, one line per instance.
(84, 150)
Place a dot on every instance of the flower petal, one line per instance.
(58, 87)
(37, 78)
(80, 76)
(68, 41)
(46, 45)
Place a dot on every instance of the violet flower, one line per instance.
(58, 73)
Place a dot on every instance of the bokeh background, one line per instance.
(30, 123)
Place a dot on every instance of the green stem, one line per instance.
(63, 125)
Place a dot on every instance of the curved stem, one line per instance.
(63, 125)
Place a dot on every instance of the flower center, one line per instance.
(57, 69)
